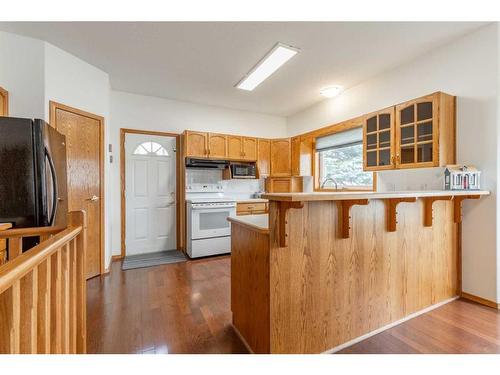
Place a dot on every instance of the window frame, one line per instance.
(150, 153)
(332, 129)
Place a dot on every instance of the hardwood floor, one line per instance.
(175, 308)
(458, 327)
(185, 308)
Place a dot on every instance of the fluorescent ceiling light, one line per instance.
(331, 91)
(279, 55)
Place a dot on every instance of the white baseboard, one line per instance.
(386, 327)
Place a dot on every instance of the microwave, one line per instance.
(241, 170)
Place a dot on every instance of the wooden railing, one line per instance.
(43, 290)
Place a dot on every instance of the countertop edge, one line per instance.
(320, 196)
(240, 220)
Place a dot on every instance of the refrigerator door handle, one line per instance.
(54, 187)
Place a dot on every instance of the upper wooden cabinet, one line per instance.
(418, 133)
(196, 144)
(264, 157)
(234, 147)
(220, 146)
(217, 145)
(249, 148)
(281, 157)
(378, 144)
(425, 131)
(295, 156)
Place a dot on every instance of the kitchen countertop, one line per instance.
(259, 223)
(252, 200)
(333, 196)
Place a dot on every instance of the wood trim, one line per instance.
(480, 300)
(457, 203)
(116, 258)
(53, 107)
(332, 129)
(428, 212)
(123, 207)
(283, 208)
(391, 211)
(344, 220)
(5, 94)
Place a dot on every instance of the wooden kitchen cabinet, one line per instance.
(281, 157)
(378, 140)
(249, 148)
(295, 156)
(245, 208)
(234, 147)
(196, 144)
(263, 157)
(415, 134)
(425, 132)
(217, 145)
(292, 184)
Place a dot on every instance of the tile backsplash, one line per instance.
(238, 188)
(203, 176)
(414, 179)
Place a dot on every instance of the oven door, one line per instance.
(210, 222)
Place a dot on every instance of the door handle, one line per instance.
(93, 198)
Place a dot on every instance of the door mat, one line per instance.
(152, 259)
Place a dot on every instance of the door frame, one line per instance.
(5, 94)
(123, 204)
(53, 106)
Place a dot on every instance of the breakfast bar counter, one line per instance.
(332, 268)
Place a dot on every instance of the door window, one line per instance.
(150, 148)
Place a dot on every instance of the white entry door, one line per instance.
(150, 195)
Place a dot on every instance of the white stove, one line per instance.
(208, 231)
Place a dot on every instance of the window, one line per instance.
(150, 148)
(340, 157)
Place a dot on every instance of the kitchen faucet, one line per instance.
(328, 178)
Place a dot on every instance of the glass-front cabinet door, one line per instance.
(416, 133)
(378, 145)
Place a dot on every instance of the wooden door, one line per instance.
(280, 157)
(196, 144)
(417, 133)
(4, 102)
(234, 147)
(295, 156)
(264, 157)
(249, 148)
(217, 145)
(378, 140)
(84, 146)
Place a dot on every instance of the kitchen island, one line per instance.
(332, 268)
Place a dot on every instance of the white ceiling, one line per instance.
(201, 62)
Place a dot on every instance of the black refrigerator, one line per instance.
(33, 185)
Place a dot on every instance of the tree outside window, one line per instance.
(344, 165)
